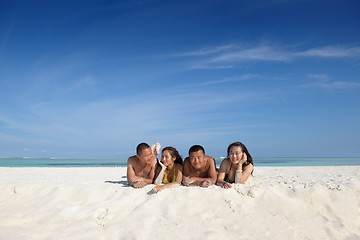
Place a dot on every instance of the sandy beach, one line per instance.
(97, 203)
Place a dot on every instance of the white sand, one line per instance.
(96, 203)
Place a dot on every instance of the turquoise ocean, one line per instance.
(259, 161)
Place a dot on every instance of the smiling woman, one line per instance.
(169, 172)
(237, 167)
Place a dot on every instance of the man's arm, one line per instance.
(151, 174)
(211, 173)
(130, 172)
(187, 180)
(200, 181)
(186, 171)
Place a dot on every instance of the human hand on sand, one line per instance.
(226, 185)
(205, 183)
(157, 189)
(187, 181)
(139, 184)
(136, 179)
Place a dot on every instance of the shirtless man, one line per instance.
(199, 169)
(141, 167)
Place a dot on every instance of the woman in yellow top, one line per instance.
(169, 171)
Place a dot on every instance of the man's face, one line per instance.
(146, 155)
(197, 159)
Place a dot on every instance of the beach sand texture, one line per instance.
(96, 203)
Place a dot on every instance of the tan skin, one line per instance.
(233, 167)
(170, 169)
(199, 170)
(141, 168)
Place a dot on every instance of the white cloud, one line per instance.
(205, 51)
(262, 53)
(226, 56)
(339, 85)
(244, 77)
(331, 52)
(324, 81)
(208, 66)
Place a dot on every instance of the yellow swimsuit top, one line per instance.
(165, 180)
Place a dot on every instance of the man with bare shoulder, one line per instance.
(199, 169)
(141, 167)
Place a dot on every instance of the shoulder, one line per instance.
(225, 163)
(178, 167)
(210, 159)
(132, 159)
(249, 167)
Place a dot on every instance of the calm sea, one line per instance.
(260, 161)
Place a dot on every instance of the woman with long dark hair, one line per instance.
(169, 170)
(237, 167)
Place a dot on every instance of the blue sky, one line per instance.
(92, 79)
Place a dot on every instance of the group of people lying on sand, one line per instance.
(197, 169)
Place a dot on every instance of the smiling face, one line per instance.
(167, 159)
(197, 159)
(145, 156)
(236, 154)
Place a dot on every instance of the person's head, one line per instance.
(236, 152)
(170, 155)
(143, 152)
(197, 156)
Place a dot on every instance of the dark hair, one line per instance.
(243, 148)
(196, 148)
(141, 147)
(174, 153)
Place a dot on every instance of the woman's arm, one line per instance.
(160, 169)
(221, 175)
(242, 175)
(179, 176)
